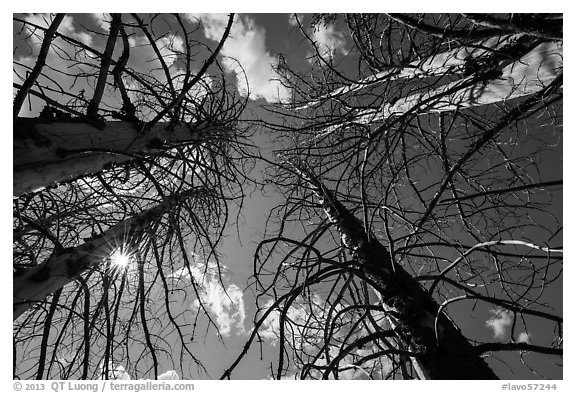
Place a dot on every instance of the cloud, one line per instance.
(169, 46)
(168, 375)
(293, 19)
(119, 373)
(306, 319)
(142, 56)
(523, 337)
(228, 306)
(499, 322)
(102, 20)
(245, 50)
(115, 372)
(62, 59)
(225, 304)
(304, 326)
(329, 41)
(66, 27)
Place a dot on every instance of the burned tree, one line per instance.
(428, 172)
(143, 113)
(127, 157)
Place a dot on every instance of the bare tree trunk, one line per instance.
(65, 265)
(530, 74)
(440, 351)
(444, 63)
(509, 80)
(48, 153)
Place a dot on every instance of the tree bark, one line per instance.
(530, 74)
(512, 78)
(65, 265)
(46, 153)
(440, 64)
(440, 350)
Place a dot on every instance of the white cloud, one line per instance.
(144, 60)
(102, 20)
(225, 304)
(168, 375)
(329, 41)
(499, 322)
(119, 373)
(115, 372)
(66, 27)
(245, 50)
(169, 47)
(304, 328)
(293, 19)
(55, 61)
(142, 56)
(523, 337)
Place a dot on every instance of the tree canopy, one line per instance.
(416, 174)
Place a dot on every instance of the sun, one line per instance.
(120, 258)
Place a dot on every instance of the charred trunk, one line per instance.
(439, 349)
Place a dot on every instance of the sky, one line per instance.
(254, 42)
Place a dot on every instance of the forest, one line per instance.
(287, 196)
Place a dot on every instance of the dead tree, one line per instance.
(127, 157)
(67, 264)
(428, 174)
(142, 113)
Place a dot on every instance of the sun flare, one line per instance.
(120, 259)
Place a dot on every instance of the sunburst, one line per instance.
(121, 258)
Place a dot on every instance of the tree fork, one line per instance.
(441, 351)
